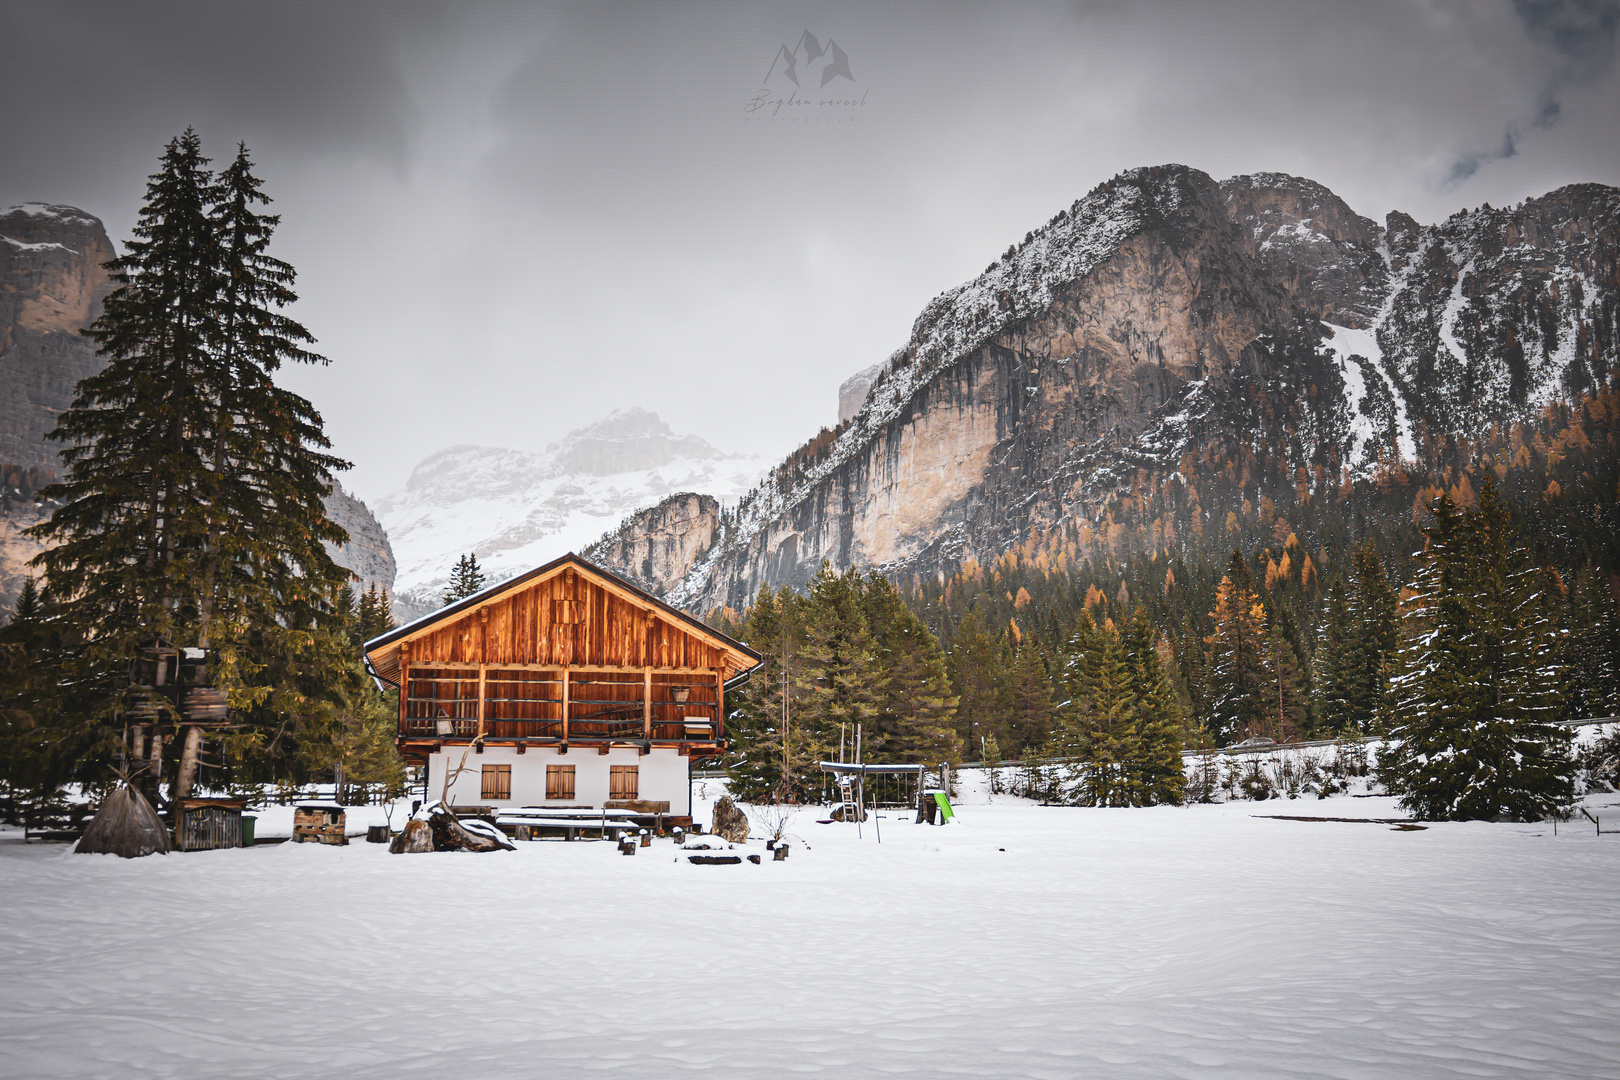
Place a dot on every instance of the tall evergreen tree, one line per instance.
(1029, 707)
(1103, 714)
(1594, 646)
(1478, 687)
(978, 664)
(758, 765)
(27, 601)
(374, 615)
(915, 707)
(1286, 707)
(1373, 617)
(193, 505)
(465, 580)
(838, 672)
(1239, 679)
(1156, 764)
(1335, 667)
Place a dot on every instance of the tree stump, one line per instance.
(437, 829)
(415, 837)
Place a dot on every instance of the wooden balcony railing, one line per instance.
(443, 702)
(665, 727)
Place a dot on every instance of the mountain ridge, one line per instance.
(1162, 312)
(515, 509)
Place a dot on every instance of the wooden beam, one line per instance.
(583, 669)
(565, 705)
(481, 726)
(719, 704)
(404, 684)
(646, 703)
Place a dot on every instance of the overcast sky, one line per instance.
(509, 219)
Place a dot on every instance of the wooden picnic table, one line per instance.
(570, 820)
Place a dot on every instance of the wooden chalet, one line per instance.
(573, 687)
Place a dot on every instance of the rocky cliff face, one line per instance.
(852, 392)
(659, 544)
(1160, 313)
(51, 286)
(368, 553)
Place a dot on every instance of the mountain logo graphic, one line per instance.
(808, 51)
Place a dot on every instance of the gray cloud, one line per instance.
(1582, 35)
(509, 218)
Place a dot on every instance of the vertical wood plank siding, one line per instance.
(565, 653)
(521, 629)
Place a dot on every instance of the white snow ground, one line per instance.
(1019, 941)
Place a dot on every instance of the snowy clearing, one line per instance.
(1019, 941)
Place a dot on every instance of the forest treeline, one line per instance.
(1282, 614)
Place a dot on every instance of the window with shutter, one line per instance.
(560, 782)
(622, 782)
(497, 782)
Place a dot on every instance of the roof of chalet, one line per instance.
(382, 652)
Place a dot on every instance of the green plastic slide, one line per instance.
(946, 813)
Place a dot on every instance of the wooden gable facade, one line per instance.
(565, 655)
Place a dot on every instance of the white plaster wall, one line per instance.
(663, 775)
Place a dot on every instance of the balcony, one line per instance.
(553, 705)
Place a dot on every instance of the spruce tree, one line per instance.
(837, 680)
(1287, 713)
(193, 502)
(374, 615)
(1104, 712)
(465, 580)
(915, 709)
(1373, 617)
(1239, 679)
(978, 663)
(1594, 646)
(27, 606)
(1029, 706)
(1155, 760)
(1477, 688)
(1335, 666)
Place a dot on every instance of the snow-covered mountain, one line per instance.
(516, 509)
(1169, 348)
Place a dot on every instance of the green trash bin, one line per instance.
(247, 829)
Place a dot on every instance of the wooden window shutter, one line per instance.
(497, 782)
(622, 782)
(560, 782)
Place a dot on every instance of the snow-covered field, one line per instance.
(1018, 941)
